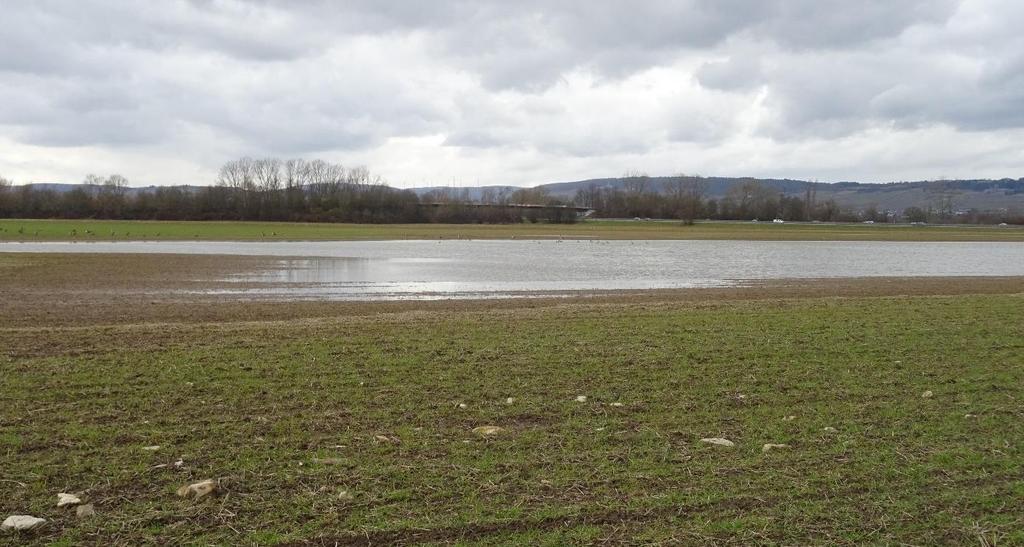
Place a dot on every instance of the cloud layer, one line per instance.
(477, 92)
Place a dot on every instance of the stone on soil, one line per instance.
(199, 489)
(21, 522)
(67, 499)
(718, 441)
(488, 430)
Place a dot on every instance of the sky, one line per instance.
(464, 93)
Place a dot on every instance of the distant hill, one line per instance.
(474, 193)
(980, 194)
(61, 187)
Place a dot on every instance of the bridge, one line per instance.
(580, 211)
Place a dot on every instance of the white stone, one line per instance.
(488, 430)
(510, 400)
(463, 405)
(771, 446)
(581, 398)
(153, 448)
(616, 404)
(927, 394)
(829, 429)
(67, 499)
(789, 418)
(21, 522)
(718, 440)
(198, 490)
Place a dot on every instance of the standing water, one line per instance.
(486, 268)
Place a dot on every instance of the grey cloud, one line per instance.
(738, 72)
(840, 23)
(284, 77)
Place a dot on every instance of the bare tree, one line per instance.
(237, 174)
(359, 176)
(636, 182)
(6, 197)
(295, 173)
(321, 173)
(267, 174)
(488, 196)
(810, 196)
(112, 196)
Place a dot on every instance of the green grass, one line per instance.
(102, 230)
(260, 405)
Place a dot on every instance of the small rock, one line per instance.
(718, 440)
(927, 394)
(788, 418)
(829, 429)
(616, 404)
(153, 448)
(198, 490)
(67, 499)
(21, 522)
(488, 430)
(771, 446)
(510, 400)
(179, 463)
(581, 398)
(344, 495)
(85, 511)
(970, 415)
(386, 440)
(463, 405)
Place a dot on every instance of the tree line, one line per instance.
(684, 197)
(315, 190)
(266, 189)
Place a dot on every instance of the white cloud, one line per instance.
(518, 93)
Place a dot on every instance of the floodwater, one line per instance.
(361, 270)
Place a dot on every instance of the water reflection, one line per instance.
(474, 269)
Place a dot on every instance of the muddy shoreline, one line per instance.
(91, 289)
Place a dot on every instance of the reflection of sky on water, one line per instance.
(446, 269)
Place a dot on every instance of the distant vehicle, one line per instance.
(755, 220)
(1002, 224)
(778, 221)
(869, 222)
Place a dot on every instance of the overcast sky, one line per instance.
(476, 92)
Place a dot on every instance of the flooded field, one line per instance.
(480, 269)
